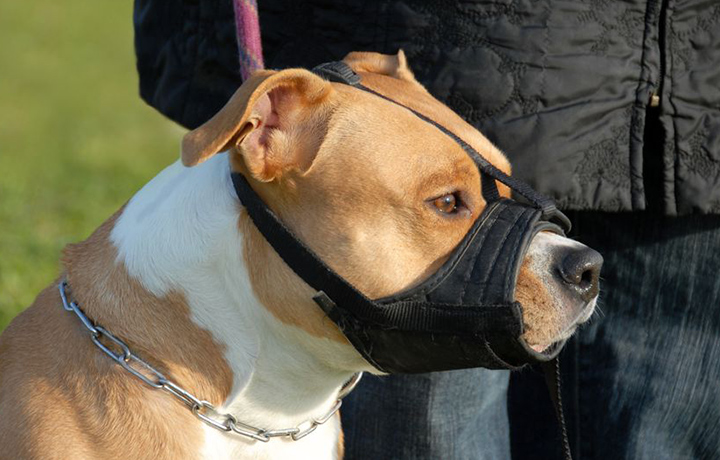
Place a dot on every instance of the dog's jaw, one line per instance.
(180, 233)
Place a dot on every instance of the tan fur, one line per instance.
(279, 290)
(83, 405)
(384, 64)
(543, 319)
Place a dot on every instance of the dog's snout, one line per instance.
(580, 269)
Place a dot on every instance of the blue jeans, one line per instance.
(640, 381)
(443, 415)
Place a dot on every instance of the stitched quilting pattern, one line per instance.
(613, 21)
(462, 28)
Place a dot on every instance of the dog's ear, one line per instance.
(395, 66)
(271, 121)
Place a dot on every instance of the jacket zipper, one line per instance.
(662, 21)
(654, 133)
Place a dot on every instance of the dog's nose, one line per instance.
(580, 269)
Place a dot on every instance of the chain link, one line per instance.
(119, 352)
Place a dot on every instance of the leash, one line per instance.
(199, 407)
(247, 28)
(551, 369)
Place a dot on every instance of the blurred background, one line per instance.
(76, 140)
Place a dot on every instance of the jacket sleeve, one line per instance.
(187, 57)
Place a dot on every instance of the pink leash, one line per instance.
(247, 25)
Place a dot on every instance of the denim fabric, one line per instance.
(642, 380)
(454, 415)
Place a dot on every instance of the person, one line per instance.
(612, 109)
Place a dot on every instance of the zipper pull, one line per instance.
(655, 99)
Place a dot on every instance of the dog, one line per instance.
(182, 276)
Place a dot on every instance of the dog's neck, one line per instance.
(179, 238)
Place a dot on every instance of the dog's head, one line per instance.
(380, 195)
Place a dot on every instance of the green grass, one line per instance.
(76, 140)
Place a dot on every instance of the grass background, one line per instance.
(76, 140)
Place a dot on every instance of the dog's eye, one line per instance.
(447, 204)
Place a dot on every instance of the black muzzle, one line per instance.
(463, 316)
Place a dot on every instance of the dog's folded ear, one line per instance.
(274, 120)
(391, 65)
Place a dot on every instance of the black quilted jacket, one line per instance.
(604, 105)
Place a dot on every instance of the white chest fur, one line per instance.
(180, 233)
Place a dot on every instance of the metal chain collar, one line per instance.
(200, 408)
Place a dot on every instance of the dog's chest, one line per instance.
(322, 444)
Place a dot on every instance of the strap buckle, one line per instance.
(338, 72)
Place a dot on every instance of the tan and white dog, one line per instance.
(182, 275)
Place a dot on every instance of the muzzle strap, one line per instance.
(419, 316)
(333, 290)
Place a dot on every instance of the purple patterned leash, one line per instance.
(247, 25)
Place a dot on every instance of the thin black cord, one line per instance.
(561, 413)
(551, 370)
